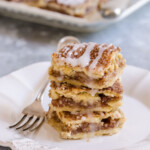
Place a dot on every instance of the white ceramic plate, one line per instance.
(18, 89)
(21, 11)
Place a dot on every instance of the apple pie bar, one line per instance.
(86, 90)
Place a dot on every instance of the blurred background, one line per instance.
(23, 43)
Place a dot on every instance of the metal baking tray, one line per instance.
(55, 19)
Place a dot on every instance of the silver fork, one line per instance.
(33, 115)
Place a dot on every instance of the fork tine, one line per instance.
(39, 125)
(19, 122)
(36, 120)
(30, 118)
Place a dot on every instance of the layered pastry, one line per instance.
(78, 8)
(84, 125)
(86, 90)
(91, 65)
(68, 97)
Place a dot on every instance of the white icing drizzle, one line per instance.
(69, 53)
(83, 118)
(65, 50)
(102, 114)
(93, 92)
(60, 78)
(71, 2)
(76, 47)
(84, 60)
(102, 47)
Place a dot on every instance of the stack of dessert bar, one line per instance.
(86, 91)
(78, 8)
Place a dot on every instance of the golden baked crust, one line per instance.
(106, 126)
(74, 119)
(84, 93)
(66, 104)
(93, 65)
(72, 98)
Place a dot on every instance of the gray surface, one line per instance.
(23, 43)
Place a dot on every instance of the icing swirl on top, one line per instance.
(90, 55)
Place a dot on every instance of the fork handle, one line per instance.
(41, 91)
